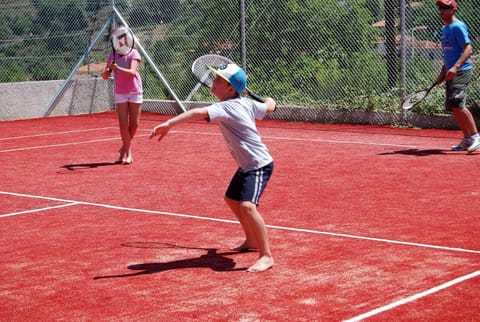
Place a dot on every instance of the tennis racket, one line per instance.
(123, 41)
(205, 76)
(415, 98)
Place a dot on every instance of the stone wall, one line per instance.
(26, 100)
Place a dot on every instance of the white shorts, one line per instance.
(132, 98)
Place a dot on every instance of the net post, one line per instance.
(54, 101)
(403, 68)
(243, 37)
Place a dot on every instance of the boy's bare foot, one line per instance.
(243, 247)
(263, 263)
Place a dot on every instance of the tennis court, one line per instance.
(366, 223)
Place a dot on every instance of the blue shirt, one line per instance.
(454, 38)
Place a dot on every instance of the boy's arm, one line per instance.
(271, 105)
(192, 115)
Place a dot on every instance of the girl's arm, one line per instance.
(130, 71)
(107, 72)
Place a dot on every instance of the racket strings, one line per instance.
(201, 71)
(414, 99)
(203, 75)
(123, 43)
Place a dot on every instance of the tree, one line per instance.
(147, 12)
(391, 18)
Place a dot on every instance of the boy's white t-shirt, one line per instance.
(236, 118)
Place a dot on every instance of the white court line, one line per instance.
(65, 144)
(341, 142)
(413, 297)
(57, 145)
(308, 139)
(389, 241)
(38, 210)
(184, 132)
(55, 133)
(382, 240)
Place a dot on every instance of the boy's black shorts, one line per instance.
(249, 186)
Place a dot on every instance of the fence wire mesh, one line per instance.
(327, 55)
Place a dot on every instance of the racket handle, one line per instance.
(255, 96)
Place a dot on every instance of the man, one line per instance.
(457, 72)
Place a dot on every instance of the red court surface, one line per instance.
(366, 223)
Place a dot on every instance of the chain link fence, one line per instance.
(316, 58)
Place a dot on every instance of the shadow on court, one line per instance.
(213, 260)
(93, 165)
(419, 153)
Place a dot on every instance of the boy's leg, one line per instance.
(256, 227)
(250, 243)
(243, 196)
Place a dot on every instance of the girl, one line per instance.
(128, 90)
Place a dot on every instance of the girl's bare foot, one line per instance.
(243, 247)
(263, 263)
(127, 160)
(121, 155)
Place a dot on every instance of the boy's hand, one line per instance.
(160, 130)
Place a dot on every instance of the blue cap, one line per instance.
(232, 74)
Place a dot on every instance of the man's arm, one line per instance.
(467, 52)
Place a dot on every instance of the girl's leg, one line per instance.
(122, 112)
(134, 111)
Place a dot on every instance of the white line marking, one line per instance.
(413, 297)
(340, 141)
(389, 241)
(64, 144)
(55, 133)
(308, 139)
(185, 132)
(39, 209)
(57, 145)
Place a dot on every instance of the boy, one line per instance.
(236, 117)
